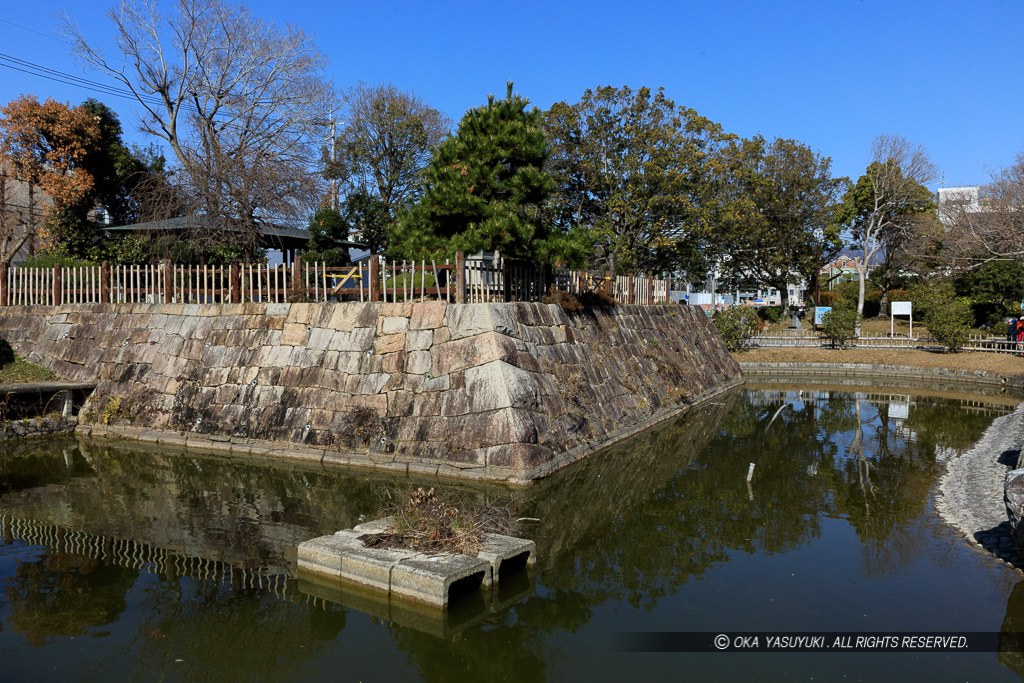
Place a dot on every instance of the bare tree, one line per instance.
(878, 211)
(988, 226)
(238, 100)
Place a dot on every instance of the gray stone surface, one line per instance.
(498, 548)
(971, 492)
(376, 526)
(371, 567)
(1013, 498)
(428, 578)
(520, 389)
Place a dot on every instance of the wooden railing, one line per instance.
(464, 281)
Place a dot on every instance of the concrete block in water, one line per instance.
(371, 567)
(499, 549)
(322, 556)
(429, 578)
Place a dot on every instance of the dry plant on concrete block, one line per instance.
(427, 521)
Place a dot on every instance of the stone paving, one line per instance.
(970, 496)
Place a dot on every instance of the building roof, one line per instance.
(271, 236)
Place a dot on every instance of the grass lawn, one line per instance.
(20, 371)
(995, 363)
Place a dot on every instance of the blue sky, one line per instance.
(831, 73)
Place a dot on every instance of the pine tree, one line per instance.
(484, 188)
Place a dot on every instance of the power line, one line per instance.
(38, 33)
(34, 69)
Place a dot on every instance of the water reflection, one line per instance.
(156, 554)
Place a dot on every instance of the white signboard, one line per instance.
(819, 314)
(901, 308)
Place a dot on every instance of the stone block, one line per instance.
(347, 316)
(393, 325)
(520, 456)
(400, 403)
(505, 426)
(294, 334)
(419, 362)
(358, 339)
(419, 340)
(471, 351)
(397, 310)
(442, 383)
(430, 579)
(498, 384)
(499, 549)
(466, 320)
(389, 343)
(319, 338)
(300, 313)
(394, 362)
(428, 315)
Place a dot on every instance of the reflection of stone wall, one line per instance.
(501, 391)
(212, 507)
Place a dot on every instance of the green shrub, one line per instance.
(770, 314)
(735, 325)
(950, 322)
(840, 325)
(999, 329)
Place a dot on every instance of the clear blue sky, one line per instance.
(829, 73)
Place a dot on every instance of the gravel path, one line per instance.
(970, 496)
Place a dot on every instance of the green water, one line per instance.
(125, 563)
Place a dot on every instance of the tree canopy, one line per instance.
(777, 195)
(44, 145)
(484, 189)
(636, 173)
(878, 211)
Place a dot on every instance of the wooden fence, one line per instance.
(464, 281)
(804, 339)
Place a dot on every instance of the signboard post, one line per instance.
(819, 313)
(901, 308)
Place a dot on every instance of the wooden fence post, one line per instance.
(374, 278)
(236, 283)
(630, 298)
(506, 275)
(58, 289)
(168, 281)
(4, 295)
(650, 290)
(297, 285)
(105, 282)
(460, 277)
(609, 286)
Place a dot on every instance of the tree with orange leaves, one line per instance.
(43, 146)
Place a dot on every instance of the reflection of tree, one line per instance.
(931, 423)
(64, 595)
(242, 633)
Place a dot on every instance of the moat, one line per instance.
(125, 562)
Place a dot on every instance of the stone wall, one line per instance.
(500, 391)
